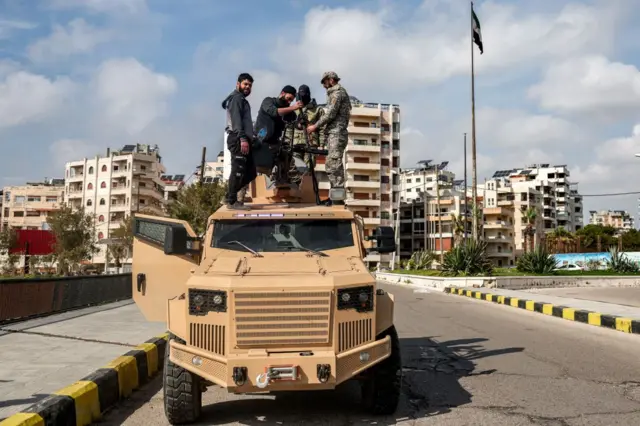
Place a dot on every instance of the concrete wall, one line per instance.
(510, 283)
(25, 298)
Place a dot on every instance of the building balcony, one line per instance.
(354, 147)
(372, 184)
(505, 203)
(371, 220)
(118, 207)
(74, 194)
(78, 177)
(361, 111)
(364, 203)
(498, 238)
(363, 166)
(364, 130)
(498, 224)
(385, 152)
(500, 211)
(502, 254)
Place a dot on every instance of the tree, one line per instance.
(561, 241)
(529, 216)
(458, 223)
(74, 233)
(591, 234)
(196, 203)
(8, 241)
(122, 248)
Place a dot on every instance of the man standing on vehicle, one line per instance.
(296, 136)
(270, 122)
(335, 121)
(239, 137)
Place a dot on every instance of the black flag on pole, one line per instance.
(475, 27)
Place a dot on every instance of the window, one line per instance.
(90, 186)
(19, 199)
(104, 168)
(102, 202)
(33, 198)
(100, 235)
(101, 218)
(89, 203)
(18, 214)
(282, 235)
(103, 185)
(52, 199)
(91, 170)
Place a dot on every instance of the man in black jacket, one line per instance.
(239, 130)
(270, 122)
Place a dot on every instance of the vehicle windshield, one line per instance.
(266, 235)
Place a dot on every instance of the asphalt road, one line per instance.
(466, 362)
(627, 296)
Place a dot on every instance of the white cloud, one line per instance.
(513, 129)
(9, 26)
(77, 38)
(589, 84)
(130, 95)
(65, 150)
(375, 50)
(27, 98)
(103, 6)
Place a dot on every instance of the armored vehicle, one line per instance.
(274, 298)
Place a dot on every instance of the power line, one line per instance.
(610, 194)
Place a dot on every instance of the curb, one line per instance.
(85, 401)
(625, 325)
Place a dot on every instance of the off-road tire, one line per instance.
(182, 391)
(383, 382)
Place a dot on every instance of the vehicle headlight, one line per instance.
(201, 302)
(358, 298)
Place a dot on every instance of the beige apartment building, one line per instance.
(28, 206)
(620, 219)
(372, 161)
(503, 222)
(111, 187)
(215, 170)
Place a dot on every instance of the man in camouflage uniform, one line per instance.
(295, 135)
(335, 122)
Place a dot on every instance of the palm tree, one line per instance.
(529, 216)
(562, 240)
(458, 224)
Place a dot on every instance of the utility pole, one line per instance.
(202, 164)
(464, 217)
(438, 214)
(425, 207)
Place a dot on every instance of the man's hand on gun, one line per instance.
(311, 128)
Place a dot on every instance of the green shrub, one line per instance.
(538, 261)
(420, 260)
(620, 263)
(467, 260)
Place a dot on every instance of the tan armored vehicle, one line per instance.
(275, 298)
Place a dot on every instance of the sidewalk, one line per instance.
(609, 315)
(41, 356)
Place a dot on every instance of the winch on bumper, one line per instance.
(259, 370)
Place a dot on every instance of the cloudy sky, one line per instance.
(558, 82)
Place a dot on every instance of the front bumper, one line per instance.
(220, 370)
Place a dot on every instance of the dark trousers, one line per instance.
(243, 169)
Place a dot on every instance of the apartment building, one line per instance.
(28, 206)
(619, 219)
(372, 161)
(415, 181)
(171, 185)
(504, 218)
(561, 203)
(216, 170)
(111, 187)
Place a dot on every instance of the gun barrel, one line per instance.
(308, 150)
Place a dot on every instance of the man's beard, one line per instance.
(282, 103)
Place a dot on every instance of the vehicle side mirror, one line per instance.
(384, 237)
(175, 240)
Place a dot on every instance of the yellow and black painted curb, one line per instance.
(85, 401)
(626, 325)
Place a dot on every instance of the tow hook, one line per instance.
(324, 372)
(239, 375)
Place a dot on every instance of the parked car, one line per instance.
(569, 267)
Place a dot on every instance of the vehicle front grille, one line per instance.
(354, 333)
(282, 318)
(208, 337)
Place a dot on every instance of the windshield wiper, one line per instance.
(255, 253)
(319, 253)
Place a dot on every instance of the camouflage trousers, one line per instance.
(336, 145)
(295, 176)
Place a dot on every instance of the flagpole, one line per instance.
(474, 184)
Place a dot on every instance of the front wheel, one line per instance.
(383, 383)
(182, 391)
